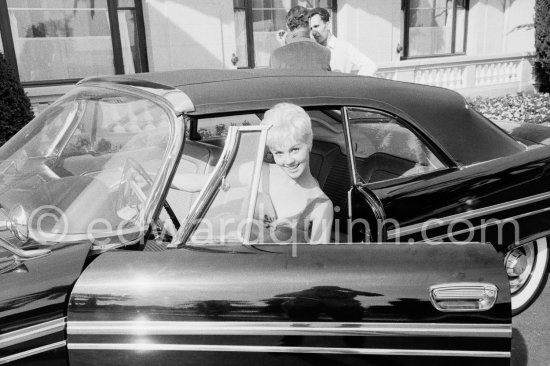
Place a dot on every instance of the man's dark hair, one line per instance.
(297, 17)
(322, 12)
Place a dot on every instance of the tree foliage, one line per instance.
(542, 43)
(15, 106)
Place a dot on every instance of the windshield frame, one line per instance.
(173, 150)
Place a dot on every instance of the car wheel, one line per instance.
(526, 266)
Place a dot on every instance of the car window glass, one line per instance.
(201, 157)
(119, 123)
(227, 216)
(216, 127)
(94, 163)
(327, 127)
(329, 162)
(385, 149)
(328, 157)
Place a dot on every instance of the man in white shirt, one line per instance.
(344, 56)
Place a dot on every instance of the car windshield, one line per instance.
(86, 164)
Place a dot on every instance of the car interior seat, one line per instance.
(197, 157)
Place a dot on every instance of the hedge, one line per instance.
(542, 44)
(15, 106)
(522, 108)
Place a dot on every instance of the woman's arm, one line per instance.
(321, 223)
(194, 182)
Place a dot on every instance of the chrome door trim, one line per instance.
(372, 200)
(180, 101)
(485, 225)
(33, 332)
(255, 185)
(280, 349)
(406, 230)
(32, 352)
(374, 203)
(351, 156)
(287, 328)
(206, 195)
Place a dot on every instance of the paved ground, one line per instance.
(531, 333)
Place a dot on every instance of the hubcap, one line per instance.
(519, 264)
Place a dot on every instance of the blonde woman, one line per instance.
(291, 207)
(291, 204)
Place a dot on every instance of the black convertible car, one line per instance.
(439, 232)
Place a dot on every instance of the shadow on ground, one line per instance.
(519, 349)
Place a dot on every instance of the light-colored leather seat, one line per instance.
(199, 158)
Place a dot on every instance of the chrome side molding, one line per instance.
(141, 347)
(32, 352)
(463, 296)
(244, 328)
(32, 332)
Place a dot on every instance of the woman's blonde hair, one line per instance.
(286, 120)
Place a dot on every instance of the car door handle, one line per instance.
(463, 296)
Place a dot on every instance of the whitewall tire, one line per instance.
(527, 266)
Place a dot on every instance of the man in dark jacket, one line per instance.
(300, 52)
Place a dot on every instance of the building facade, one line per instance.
(473, 46)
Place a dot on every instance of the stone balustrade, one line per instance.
(478, 75)
(452, 77)
(498, 72)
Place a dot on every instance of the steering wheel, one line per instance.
(134, 181)
(131, 193)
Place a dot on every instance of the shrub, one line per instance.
(15, 106)
(542, 44)
(515, 108)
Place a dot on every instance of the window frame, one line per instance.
(418, 133)
(406, 8)
(249, 32)
(210, 191)
(247, 7)
(112, 9)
